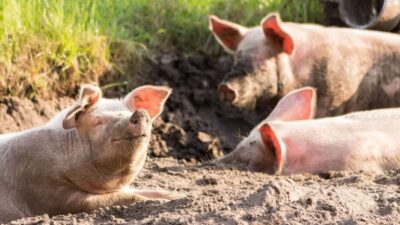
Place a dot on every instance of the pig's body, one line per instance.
(368, 141)
(352, 69)
(287, 142)
(54, 169)
(32, 166)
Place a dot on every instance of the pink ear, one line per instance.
(272, 143)
(273, 29)
(151, 98)
(299, 104)
(227, 33)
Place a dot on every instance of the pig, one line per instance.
(83, 158)
(353, 70)
(290, 141)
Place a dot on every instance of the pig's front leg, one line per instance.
(156, 195)
(124, 197)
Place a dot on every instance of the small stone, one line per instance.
(204, 137)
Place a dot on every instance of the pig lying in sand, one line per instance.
(82, 159)
(352, 69)
(288, 142)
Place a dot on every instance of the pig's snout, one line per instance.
(227, 93)
(139, 122)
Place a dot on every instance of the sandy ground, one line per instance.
(196, 128)
(221, 195)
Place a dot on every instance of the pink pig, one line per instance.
(84, 158)
(289, 142)
(353, 70)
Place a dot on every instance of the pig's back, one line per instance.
(357, 141)
(340, 34)
(5, 138)
(378, 115)
(385, 120)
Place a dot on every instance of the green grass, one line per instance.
(53, 45)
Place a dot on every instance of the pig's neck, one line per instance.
(34, 161)
(39, 154)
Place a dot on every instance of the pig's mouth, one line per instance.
(129, 138)
(245, 102)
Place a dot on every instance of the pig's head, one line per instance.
(263, 149)
(255, 73)
(110, 137)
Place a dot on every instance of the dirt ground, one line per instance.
(217, 195)
(196, 128)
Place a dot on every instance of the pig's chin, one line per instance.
(130, 138)
(245, 102)
(141, 138)
(255, 160)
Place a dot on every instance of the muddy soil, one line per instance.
(195, 124)
(19, 114)
(195, 127)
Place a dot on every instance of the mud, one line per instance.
(19, 114)
(196, 127)
(195, 124)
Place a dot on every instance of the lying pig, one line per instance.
(288, 142)
(82, 159)
(352, 69)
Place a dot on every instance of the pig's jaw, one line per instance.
(259, 87)
(110, 174)
(138, 163)
(140, 146)
(248, 95)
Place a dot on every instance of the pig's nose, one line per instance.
(227, 93)
(138, 116)
(138, 122)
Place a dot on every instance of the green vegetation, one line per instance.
(53, 45)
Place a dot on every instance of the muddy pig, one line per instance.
(83, 158)
(352, 69)
(288, 141)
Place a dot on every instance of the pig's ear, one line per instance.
(88, 96)
(227, 33)
(271, 25)
(299, 104)
(272, 143)
(148, 97)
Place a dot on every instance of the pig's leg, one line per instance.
(123, 197)
(154, 194)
